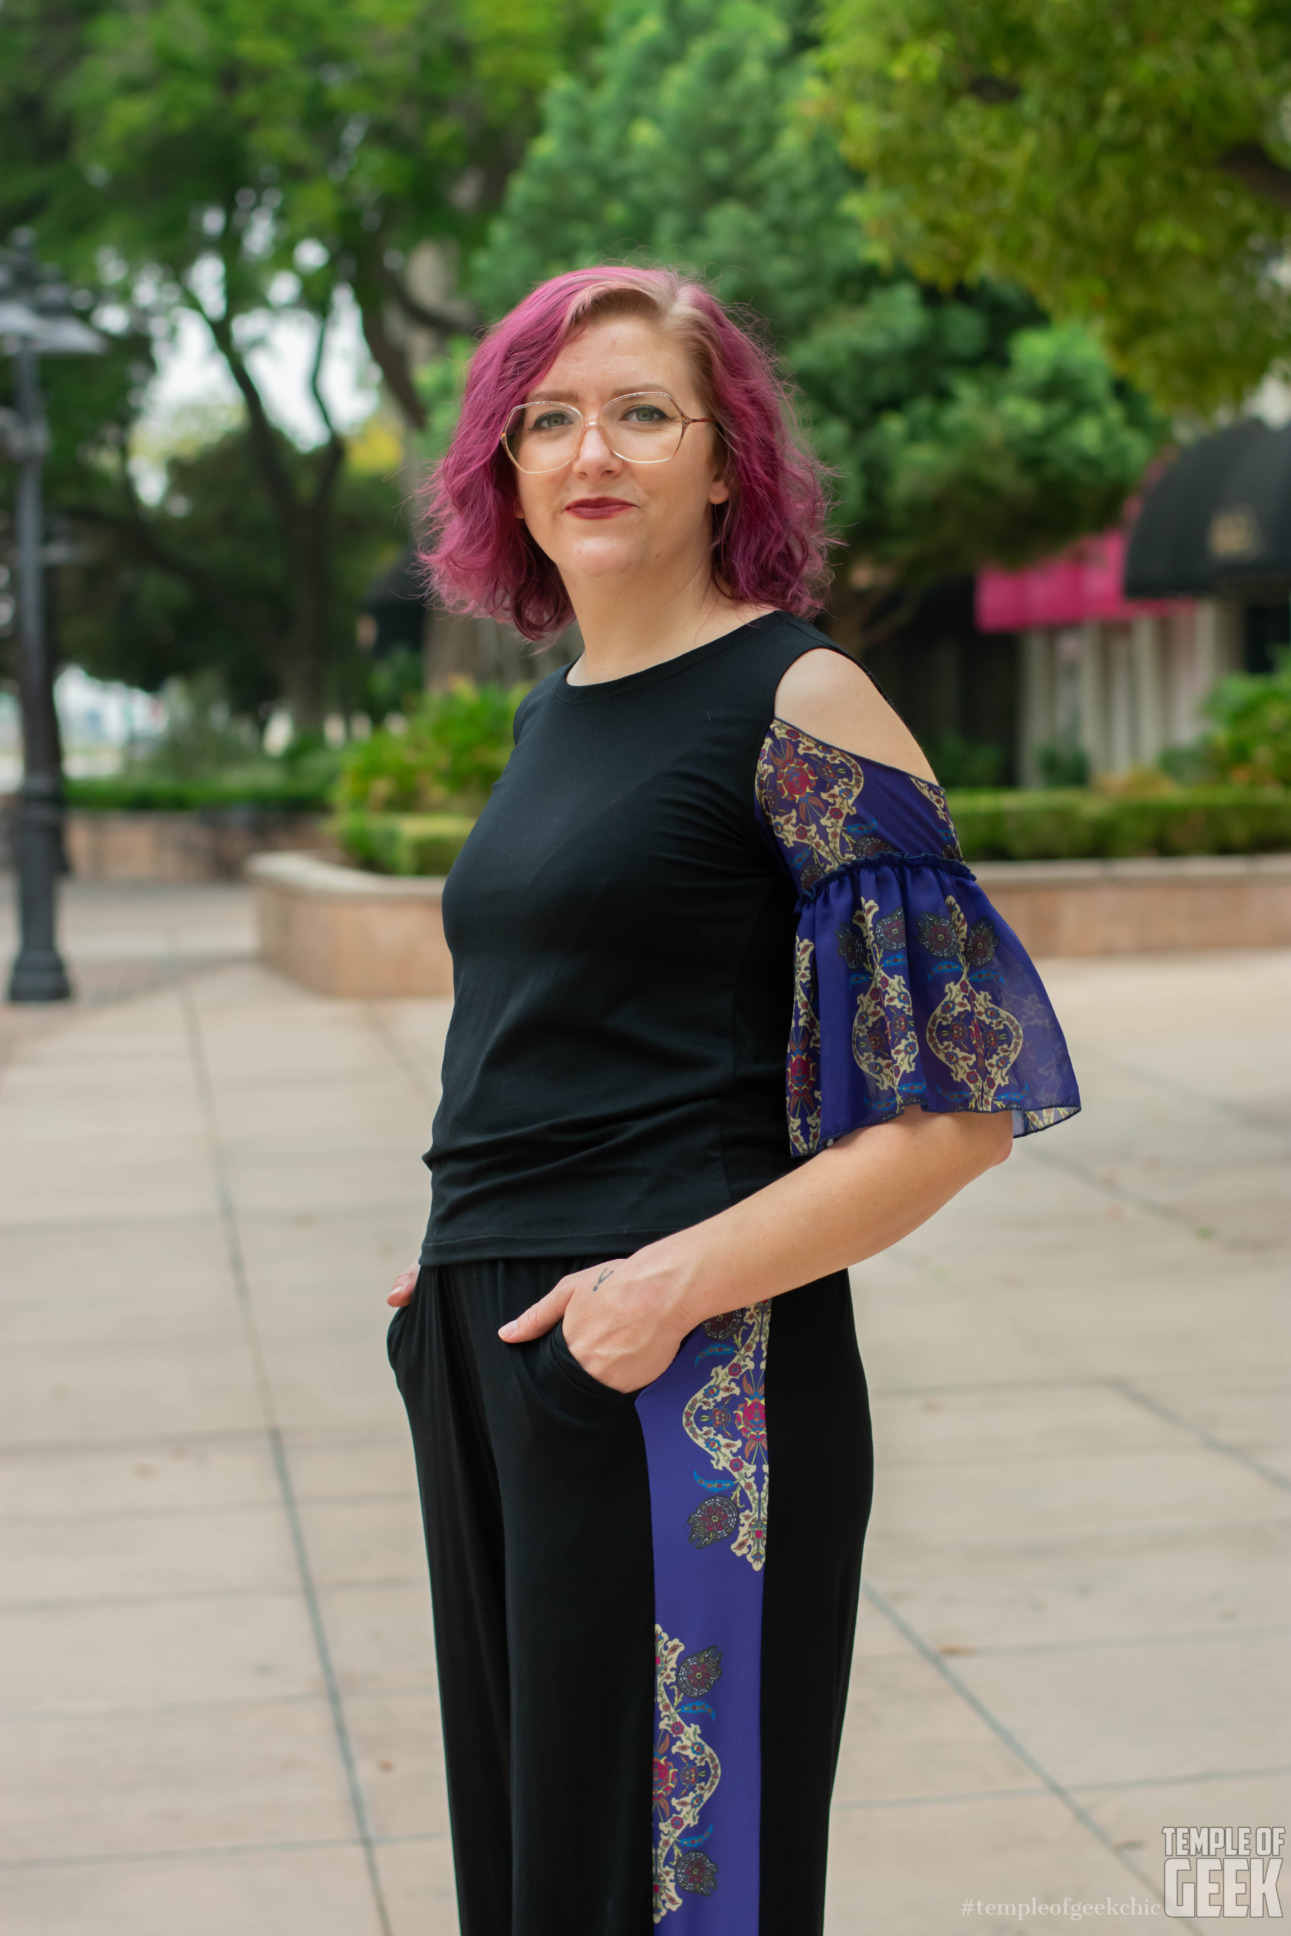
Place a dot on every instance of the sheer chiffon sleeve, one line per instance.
(908, 986)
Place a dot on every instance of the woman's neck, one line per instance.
(626, 629)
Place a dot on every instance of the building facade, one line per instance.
(1105, 681)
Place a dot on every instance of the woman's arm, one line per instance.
(624, 1319)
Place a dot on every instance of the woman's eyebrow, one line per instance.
(571, 396)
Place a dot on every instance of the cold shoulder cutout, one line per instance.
(909, 988)
(832, 698)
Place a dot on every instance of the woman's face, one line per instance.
(601, 515)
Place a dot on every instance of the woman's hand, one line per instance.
(621, 1321)
(625, 1319)
(404, 1286)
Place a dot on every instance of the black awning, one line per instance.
(1218, 521)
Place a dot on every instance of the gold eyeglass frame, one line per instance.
(593, 423)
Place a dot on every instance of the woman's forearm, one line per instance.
(851, 1201)
(623, 1319)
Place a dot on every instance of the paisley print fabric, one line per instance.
(705, 1428)
(686, 1772)
(908, 986)
(802, 1075)
(819, 822)
(727, 1420)
(976, 1039)
(884, 1044)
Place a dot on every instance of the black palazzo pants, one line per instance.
(643, 1647)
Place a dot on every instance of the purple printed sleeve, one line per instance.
(908, 986)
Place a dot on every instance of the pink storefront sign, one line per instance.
(1084, 583)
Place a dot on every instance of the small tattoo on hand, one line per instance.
(607, 1272)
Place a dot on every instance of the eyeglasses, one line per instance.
(642, 427)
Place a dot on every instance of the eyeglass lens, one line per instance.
(644, 428)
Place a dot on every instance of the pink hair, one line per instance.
(769, 542)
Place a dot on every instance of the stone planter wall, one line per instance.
(344, 932)
(1120, 907)
(206, 844)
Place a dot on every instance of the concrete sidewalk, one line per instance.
(219, 1712)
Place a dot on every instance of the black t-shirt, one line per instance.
(622, 941)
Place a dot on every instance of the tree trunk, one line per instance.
(304, 665)
(305, 523)
(864, 611)
(301, 662)
(303, 678)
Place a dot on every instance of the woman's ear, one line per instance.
(719, 491)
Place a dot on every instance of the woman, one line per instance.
(715, 850)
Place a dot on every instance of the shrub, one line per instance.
(960, 762)
(453, 747)
(1063, 764)
(403, 843)
(269, 785)
(1251, 743)
(1140, 783)
(1005, 825)
(1079, 825)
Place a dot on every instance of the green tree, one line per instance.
(204, 582)
(962, 427)
(230, 157)
(91, 401)
(1129, 164)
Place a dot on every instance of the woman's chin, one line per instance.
(600, 554)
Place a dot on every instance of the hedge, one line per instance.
(1074, 824)
(161, 793)
(404, 843)
(1067, 824)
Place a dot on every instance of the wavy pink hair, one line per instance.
(769, 541)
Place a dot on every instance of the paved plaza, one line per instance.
(219, 1708)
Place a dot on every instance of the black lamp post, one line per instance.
(36, 318)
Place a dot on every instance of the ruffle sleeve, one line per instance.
(908, 986)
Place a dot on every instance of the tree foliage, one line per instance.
(960, 425)
(229, 133)
(235, 157)
(205, 581)
(1130, 164)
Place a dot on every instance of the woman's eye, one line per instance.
(552, 420)
(645, 413)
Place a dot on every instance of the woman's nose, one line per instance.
(593, 449)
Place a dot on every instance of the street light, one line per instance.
(36, 317)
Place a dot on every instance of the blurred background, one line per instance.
(1014, 271)
(1029, 267)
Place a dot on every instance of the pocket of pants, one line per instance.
(395, 1329)
(577, 1374)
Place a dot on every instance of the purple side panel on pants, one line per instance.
(705, 1432)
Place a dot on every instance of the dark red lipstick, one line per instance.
(597, 507)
